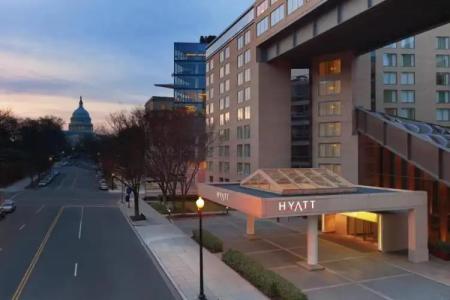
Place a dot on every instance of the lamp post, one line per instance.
(200, 204)
(112, 181)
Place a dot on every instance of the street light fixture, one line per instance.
(200, 203)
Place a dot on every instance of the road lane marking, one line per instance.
(22, 227)
(75, 271)
(14, 196)
(39, 209)
(74, 181)
(81, 223)
(35, 259)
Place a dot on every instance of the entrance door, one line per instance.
(366, 230)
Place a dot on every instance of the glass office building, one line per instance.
(189, 75)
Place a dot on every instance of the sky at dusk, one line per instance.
(109, 51)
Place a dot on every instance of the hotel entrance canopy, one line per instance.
(272, 193)
(276, 193)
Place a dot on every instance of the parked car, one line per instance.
(103, 186)
(8, 206)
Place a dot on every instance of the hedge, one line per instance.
(271, 284)
(210, 241)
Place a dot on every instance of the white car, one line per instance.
(8, 206)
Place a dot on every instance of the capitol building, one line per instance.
(80, 125)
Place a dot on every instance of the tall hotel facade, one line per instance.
(295, 83)
(251, 108)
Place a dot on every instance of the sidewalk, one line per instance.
(17, 186)
(178, 256)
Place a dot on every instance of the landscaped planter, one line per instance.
(441, 250)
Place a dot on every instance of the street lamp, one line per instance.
(200, 204)
(112, 180)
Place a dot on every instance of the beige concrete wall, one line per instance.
(393, 231)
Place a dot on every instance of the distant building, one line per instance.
(159, 103)
(80, 124)
(190, 75)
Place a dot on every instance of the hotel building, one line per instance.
(253, 109)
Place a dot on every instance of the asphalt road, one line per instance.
(70, 241)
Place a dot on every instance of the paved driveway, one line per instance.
(353, 269)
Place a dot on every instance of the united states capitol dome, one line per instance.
(80, 120)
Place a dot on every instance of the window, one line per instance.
(408, 113)
(227, 101)
(408, 96)
(224, 135)
(222, 88)
(222, 72)
(227, 52)
(331, 108)
(240, 60)
(211, 93)
(442, 61)
(331, 129)
(211, 108)
(247, 56)
(442, 78)
(211, 65)
(243, 132)
(408, 60)
(443, 114)
(207, 67)
(247, 76)
(408, 43)
(240, 114)
(277, 15)
(240, 168)
(211, 78)
(391, 46)
(210, 166)
(221, 120)
(329, 87)
(247, 150)
(246, 132)
(207, 81)
(391, 111)
(240, 78)
(390, 78)
(227, 69)
(293, 5)
(240, 97)
(221, 103)
(227, 117)
(335, 168)
(390, 96)
(247, 93)
(261, 8)
(239, 150)
(389, 60)
(247, 113)
(246, 170)
(443, 42)
(407, 78)
(247, 37)
(222, 56)
(227, 85)
(331, 67)
(443, 96)
(330, 150)
(262, 26)
(240, 42)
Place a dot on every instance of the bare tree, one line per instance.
(128, 151)
(177, 143)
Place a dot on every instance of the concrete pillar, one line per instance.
(250, 226)
(312, 241)
(418, 235)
